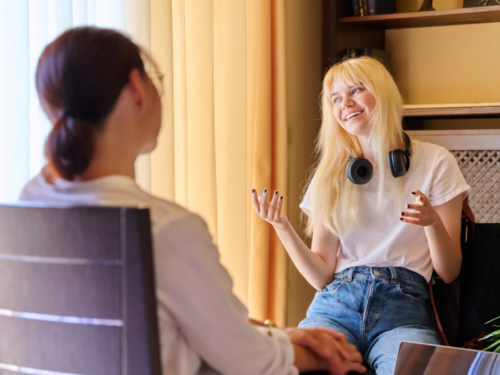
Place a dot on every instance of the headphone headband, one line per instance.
(408, 146)
(359, 170)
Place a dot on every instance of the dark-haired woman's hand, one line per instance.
(330, 348)
(422, 213)
(269, 210)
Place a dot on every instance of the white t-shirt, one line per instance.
(203, 326)
(382, 240)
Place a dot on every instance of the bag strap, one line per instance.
(468, 223)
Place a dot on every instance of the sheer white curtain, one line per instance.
(26, 27)
(224, 118)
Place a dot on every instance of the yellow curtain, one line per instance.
(224, 131)
(268, 259)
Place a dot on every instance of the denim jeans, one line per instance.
(375, 308)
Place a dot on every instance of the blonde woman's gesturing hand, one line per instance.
(269, 211)
(422, 214)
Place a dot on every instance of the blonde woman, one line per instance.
(380, 224)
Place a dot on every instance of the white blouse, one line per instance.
(203, 326)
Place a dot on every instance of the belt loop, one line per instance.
(394, 275)
(349, 274)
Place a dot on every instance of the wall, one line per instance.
(303, 80)
(414, 5)
(445, 64)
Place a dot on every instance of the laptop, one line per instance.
(425, 359)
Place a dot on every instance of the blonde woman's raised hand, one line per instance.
(269, 210)
(422, 214)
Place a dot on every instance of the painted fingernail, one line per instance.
(402, 214)
(265, 190)
(253, 191)
(401, 218)
(413, 193)
(407, 206)
(276, 192)
(421, 197)
(281, 197)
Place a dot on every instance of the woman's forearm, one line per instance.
(445, 254)
(317, 267)
(310, 264)
(442, 229)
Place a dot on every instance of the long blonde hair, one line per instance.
(335, 200)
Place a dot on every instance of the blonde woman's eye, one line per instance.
(336, 100)
(356, 90)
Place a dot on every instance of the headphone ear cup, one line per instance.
(399, 163)
(359, 171)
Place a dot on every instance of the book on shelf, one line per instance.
(381, 7)
(359, 7)
(383, 56)
(362, 8)
(480, 3)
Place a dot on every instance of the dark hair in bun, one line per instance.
(80, 76)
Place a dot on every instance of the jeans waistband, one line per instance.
(392, 273)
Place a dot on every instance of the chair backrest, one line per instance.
(478, 155)
(77, 292)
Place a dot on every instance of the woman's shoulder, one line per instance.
(32, 189)
(165, 212)
(429, 152)
(113, 191)
(181, 233)
(172, 221)
(426, 146)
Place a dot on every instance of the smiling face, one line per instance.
(353, 107)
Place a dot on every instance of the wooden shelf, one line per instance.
(442, 110)
(477, 139)
(429, 18)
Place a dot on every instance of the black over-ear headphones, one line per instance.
(360, 170)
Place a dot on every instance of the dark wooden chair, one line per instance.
(77, 292)
(445, 298)
(478, 156)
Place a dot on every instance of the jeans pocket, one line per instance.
(333, 287)
(413, 292)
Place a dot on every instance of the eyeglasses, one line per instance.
(157, 79)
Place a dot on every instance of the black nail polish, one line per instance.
(276, 192)
(402, 214)
(401, 218)
(265, 190)
(421, 198)
(407, 206)
(413, 193)
(253, 191)
(281, 197)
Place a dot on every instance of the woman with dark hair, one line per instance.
(105, 112)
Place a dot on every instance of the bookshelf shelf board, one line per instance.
(429, 18)
(441, 110)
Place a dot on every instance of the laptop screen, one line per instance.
(424, 359)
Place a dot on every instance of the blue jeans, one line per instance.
(375, 308)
